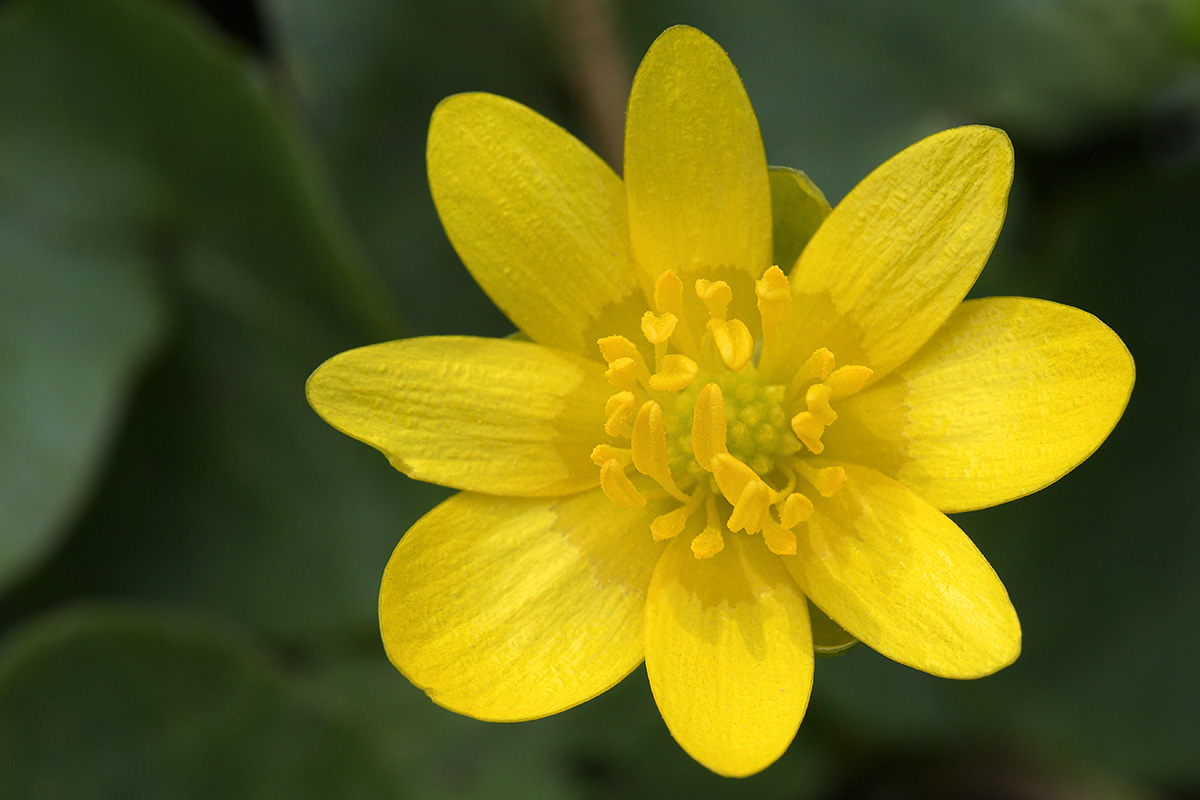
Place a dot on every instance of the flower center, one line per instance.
(704, 429)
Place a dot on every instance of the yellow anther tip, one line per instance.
(658, 328)
(668, 293)
(817, 399)
(676, 374)
(669, 525)
(808, 429)
(849, 379)
(829, 481)
(708, 543)
(796, 508)
(617, 486)
(615, 347)
(716, 296)
(779, 540)
(622, 373)
(733, 341)
(708, 425)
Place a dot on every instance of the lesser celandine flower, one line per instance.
(697, 440)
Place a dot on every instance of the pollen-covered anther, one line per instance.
(847, 380)
(709, 541)
(774, 297)
(779, 540)
(816, 368)
(657, 328)
(708, 426)
(671, 524)
(668, 294)
(676, 373)
(745, 490)
(817, 400)
(733, 341)
(828, 480)
(603, 453)
(649, 445)
(716, 296)
(808, 430)
(617, 486)
(794, 509)
(618, 410)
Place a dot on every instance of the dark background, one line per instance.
(200, 204)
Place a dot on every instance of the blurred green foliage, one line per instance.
(189, 558)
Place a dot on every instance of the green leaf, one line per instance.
(226, 490)
(370, 73)
(111, 702)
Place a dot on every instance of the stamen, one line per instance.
(617, 486)
(716, 296)
(774, 306)
(618, 409)
(709, 541)
(847, 380)
(817, 400)
(675, 374)
(622, 374)
(708, 425)
(808, 429)
(649, 445)
(733, 341)
(668, 294)
(816, 368)
(602, 453)
(796, 508)
(750, 510)
(780, 540)
(671, 524)
(828, 481)
(733, 476)
(658, 328)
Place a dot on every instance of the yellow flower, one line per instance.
(680, 395)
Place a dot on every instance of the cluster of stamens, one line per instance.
(703, 429)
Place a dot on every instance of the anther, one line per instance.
(808, 430)
(708, 425)
(603, 453)
(649, 445)
(657, 328)
(618, 409)
(779, 540)
(617, 486)
(671, 524)
(733, 341)
(828, 481)
(750, 511)
(709, 541)
(816, 368)
(796, 508)
(849, 379)
(716, 296)
(732, 477)
(774, 297)
(817, 399)
(668, 294)
(675, 374)
(622, 374)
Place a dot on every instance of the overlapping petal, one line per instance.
(695, 171)
(1009, 396)
(901, 577)
(489, 415)
(729, 653)
(898, 254)
(514, 608)
(537, 218)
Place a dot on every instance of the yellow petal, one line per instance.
(695, 171)
(901, 577)
(1005, 399)
(537, 218)
(513, 608)
(728, 653)
(897, 255)
(490, 415)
